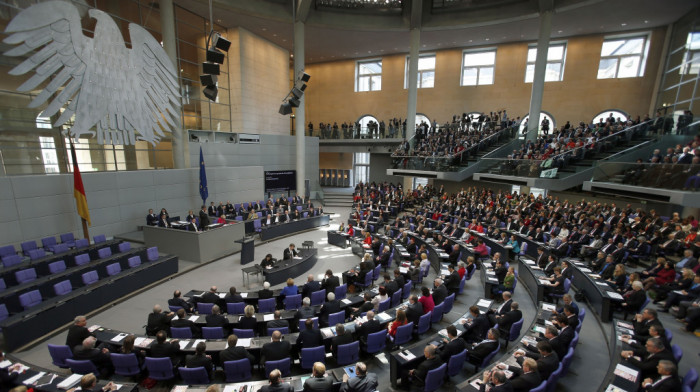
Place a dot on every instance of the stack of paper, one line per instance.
(243, 342)
(70, 381)
(626, 372)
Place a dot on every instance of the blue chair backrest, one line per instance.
(160, 368)
(82, 259)
(438, 311)
(82, 243)
(282, 330)
(237, 371)
(3, 312)
(59, 354)
(309, 356)
(27, 246)
(302, 325)
(489, 357)
(377, 271)
(134, 261)
(194, 376)
(376, 342)
(348, 353)
(7, 250)
(448, 303)
(98, 239)
(384, 305)
(462, 282)
(212, 332)
(57, 266)
(406, 292)
(283, 365)
(124, 247)
(35, 254)
(567, 285)
(424, 323)
(235, 307)
(3, 286)
(644, 305)
(152, 253)
(455, 363)
(114, 269)
(404, 334)
(10, 260)
(125, 364)
(81, 366)
(48, 243)
(435, 378)
(677, 352)
(336, 318)
(60, 248)
(515, 330)
(566, 362)
(396, 298)
(90, 277)
(582, 315)
(552, 380)
(204, 308)
(341, 291)
(317, 297)
(267, 305)
(542, 387)
(690, 378)
(63, 287)
(25, 275)
(244, 333)
(181, 332)
(104, 253)
(292, 302)
(68, 238)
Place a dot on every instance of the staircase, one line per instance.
(337, 202)
(473, 159)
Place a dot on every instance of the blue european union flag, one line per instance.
(203, 190)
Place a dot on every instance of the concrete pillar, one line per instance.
(412, 82)
(167, 30)
(540, 68)
(300, 114)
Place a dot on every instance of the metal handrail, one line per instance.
(452, 156)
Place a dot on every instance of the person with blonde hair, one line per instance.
(318, 382)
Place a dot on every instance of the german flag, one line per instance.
(78, 189)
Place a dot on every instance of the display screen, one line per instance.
(280, 181)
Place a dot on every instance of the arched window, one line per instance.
(420, 117)
(605, 114)
(364, 120)
(543, 115)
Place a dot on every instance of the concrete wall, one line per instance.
(379, 163)
(33, 207)
(331, 97)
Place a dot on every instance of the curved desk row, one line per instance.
(601, 297)
(49, 315)
(271, 232)
(621, 374)
(291, 268)
(197, 246)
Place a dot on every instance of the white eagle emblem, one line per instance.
(121, 92)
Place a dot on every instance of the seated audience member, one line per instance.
(233, 352)
(647, 359)
(635, 299)
(277, 322)
(177, 300)
(340, 339)
(416, 377)
(310, 337)
(476, 326)
(480, 350)
(452, 345)
(157, 320)
(276, 349)
(211, 296)
(362, 382)
(547, 360)
(77, 332)
(200, 359)
(248, 320)
(233, 296)
(290, 252)
(667, 379)
(265, 292)
(276, 384)
(318, 382)
(88, 383)
(496, 381)
(268, 261)
(399, 321)
(311, 286)
(183, 322)
(151, 218)
(100, 358)
(366, 328)
(290, 288)
(365, 307)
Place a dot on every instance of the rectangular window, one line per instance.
(556, 56)
(361, 167)
(426, 71)
(478, 67)
(48, 154)
(368, 75)
(623, 57)
(691, 66)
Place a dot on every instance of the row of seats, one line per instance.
(49, 244)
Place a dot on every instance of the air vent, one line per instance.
(248, 138)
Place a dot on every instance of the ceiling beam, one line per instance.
(303, 8)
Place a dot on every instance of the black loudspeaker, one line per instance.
(214, 56)
(285, 109)
(221, 43)
(302, 87)
(208, 80)
(210, 68)
(305, 77)
(211, 92)
(294, 102)
(297, 93)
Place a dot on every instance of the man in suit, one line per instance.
(509, 318)
(330, 282)
(541, 259)
(666, 382)
(276, 384)
(151, 218)
(482, 349)
(77, 332)
(200, 359)
(566, 333)
(305, 311)
(452, 345)
(182, 322)
(276, 349)
(688, 261)
(233, 352)
(524, 378)
(203, 218)
(340, 339)
(414, 310)
(269, 220)
(265, 293)
(646, 359)
(547, 362)
(368, 327)
(568, 300)
(501, 310)
(100, 358)
(389, 285)
(290, 252)
(177, 300)
(362, 382)
(399, 279)
(476, 331)
(158, 320)
(310, 286)
(277, 322)
(88, 383)
(452, 280)
(496, 380)
(163, 349)
(383, 258)
(211, 211)
(329, 307)
(318, 382)
(643, 321)
(549, 267)
(233, 297)
(216, 319)
(310, 337)
(439, 292)
(418, 375)
(210, 297)
(365, 307)
(551, 334)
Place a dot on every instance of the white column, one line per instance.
(167, 30)
(540, 68)
(300, 118)
(412, 82)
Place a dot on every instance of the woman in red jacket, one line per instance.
(400, 320)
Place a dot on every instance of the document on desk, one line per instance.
(548, 307)
(614, 295)
(476, 383)
(586, 270)
(244, 295)
(626, 372)
(34, 379)
(222, 295)
(93, 328)
(483, 303)
(601, 283)
(382, 317)
(490, 272)
(403, 270)
(183, 344)
(594, 276)
(346, 301)
(118, 338)
(613, 388)
(245, 342)
(544, 282)
(407, 355)
(193, 318)
(530, 262)
(297, 257)
(268, 317)
(70, 381)
(231, 388)
(143, 342)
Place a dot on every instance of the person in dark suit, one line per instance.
(503, 309)
(649, 357)
(526, 378)
(310, 337)
(318, 382)
(100, 358)
(211, 211)
(399, 279)
(277, 322)
(452, 280)
(329, 307)
(200, 359)
(666, 382)
(551, 334)
(248, 321)
(480, 350)
(265, 292)
(88, 383)
(276, 349)
(310, 286)
(290, 252)
(330, 282)
(151, 218)
(203, 218)
(182, 322)
(643, 321)
(363, 382)
(418, 375)
(389, 285)
(542, 257)
(233, 297)
(340, 339)
(452, 345)
(268, 261)
(566, 333)
(276, 384)
(77, 332)
(547, 362)
(368, 327)
(163, 349)
(216, 319)
(158, 320)
(364, 307)
(164, 219)
(497, 381)
(233, 352)
(439, 292)
(507, 320)
(177, 300)
(476, 331)
(414, 310)
(210, 297)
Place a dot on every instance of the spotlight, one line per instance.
(297, 93)
(285, 109)
(211, 92)
(208, 80)
(214, 56)
(221, 42)
(305, 77)
(210, 68)
(294, 102)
